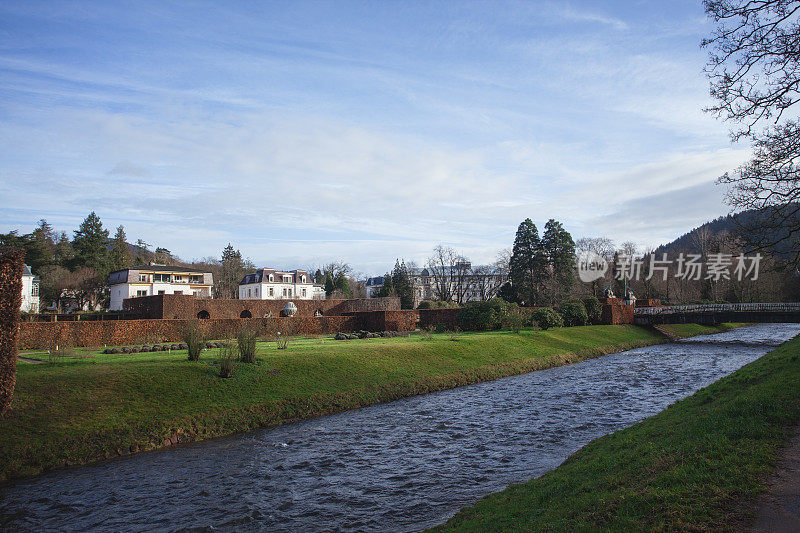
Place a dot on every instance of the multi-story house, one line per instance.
(272, 284)
(157, 279)
(461, 282)
(30, 291)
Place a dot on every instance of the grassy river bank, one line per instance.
(94, 406)
(699, 465)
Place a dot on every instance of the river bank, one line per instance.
(102, 406)
(699, 465)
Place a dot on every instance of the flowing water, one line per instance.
(399, 466)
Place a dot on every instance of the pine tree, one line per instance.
(527, 267)
(329, 286)
(120, 252)
(559, 248)
(90, 244)
(63, 254)
(403, 287)
(342, 285)
(232, 272)
(387, 289)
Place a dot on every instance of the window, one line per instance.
(160, 292)
(164, 278)
(271, 277)
(284, 292)
(290, 293)
(249, 293)
(304, 279)
(141, 293)
(304, 293)
(178, 292)
(287, 279)
(271, 291)
(256, 292)
(35, 290)
(143, 278)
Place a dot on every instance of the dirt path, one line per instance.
(779, 506)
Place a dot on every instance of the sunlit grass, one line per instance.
(99, 405)
(697, 466)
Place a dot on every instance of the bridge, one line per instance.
(717, 313)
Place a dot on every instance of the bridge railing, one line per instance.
(718, 308)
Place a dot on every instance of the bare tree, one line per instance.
(440, 266)
(754, 76)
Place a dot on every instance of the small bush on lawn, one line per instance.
(193, 338)
(227, 356)
(246, 341)
(546, 318)
(574, 313)
(485, 316)
(594, 309)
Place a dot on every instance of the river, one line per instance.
(399, 466)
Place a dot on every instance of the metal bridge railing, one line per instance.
(712, 308)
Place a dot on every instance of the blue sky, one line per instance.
(304, 132)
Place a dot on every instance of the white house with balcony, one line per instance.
(272, 284)
(157, 279)
(30, 291)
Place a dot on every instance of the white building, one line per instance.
(30, 291)
(157, 279)
(271, 284)
(463, 282)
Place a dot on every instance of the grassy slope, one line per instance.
(698, 465)
(690, 330)
(86, 409)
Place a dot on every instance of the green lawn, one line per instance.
(697, 466)
(98, 406)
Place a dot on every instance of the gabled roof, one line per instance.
(263, 274)
(26, 270)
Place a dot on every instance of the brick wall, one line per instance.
(614, 312)
(38, 335)
(10, 301)
(441, 318)
(187, 306)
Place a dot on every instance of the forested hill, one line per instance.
(739, 224)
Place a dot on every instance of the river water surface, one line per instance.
(399, 466)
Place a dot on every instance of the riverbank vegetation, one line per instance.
(697, 466)
(94, 405)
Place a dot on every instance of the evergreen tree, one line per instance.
(559, 248)
(42, 246)
(63, 253)
(387, 289)
(342, 285)
(329, 285)
(90, 244)
(319, 277)
(403, 286)
(527, 267)
(232, 272)
(120, 252)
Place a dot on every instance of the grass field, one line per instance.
(95, 406)
(697, 466)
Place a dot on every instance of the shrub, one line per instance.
(485, 316)
(193, 338)
(515, 320)
(436, 304)
(246, 341)
(574, 313)
(547, 318)
(594, 309)
(227, 355)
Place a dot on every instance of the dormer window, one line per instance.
(304, 279)
(271, 278)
